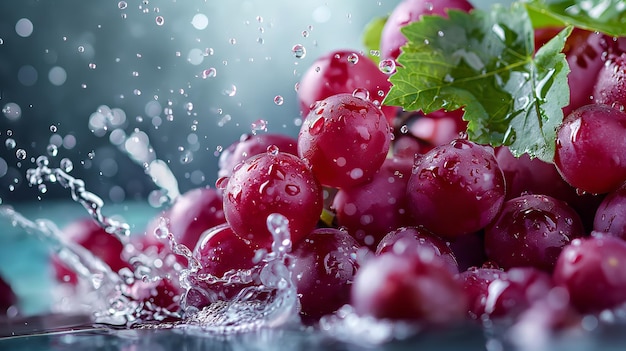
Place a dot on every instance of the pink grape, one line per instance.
(345, 139)
(272, 182)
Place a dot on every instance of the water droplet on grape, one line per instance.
(317, 125)
(299, 51)
(387, 66)
(356, 173)
(222, 182)
(273, 150)
(361, 93)
(353, 58)
(292, 190)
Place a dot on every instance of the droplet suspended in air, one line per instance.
(209, 73)
(278, 100)
(387, 66)
(299, 51)
(20, 154)
(122, 5)
(159, 20)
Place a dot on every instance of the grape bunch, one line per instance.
(400, 215)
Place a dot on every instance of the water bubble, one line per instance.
(42, 161)
(299, 51)
(305, 33)
(91, 155)
(186, 157)
(353, 58)
(258, 125)
(189, 106)
(231, 91)
(404, 129)
(361, 93)
(273, 150)
(209, 73)
(12, 111)
(10, 143)
(81, 49)
(387, 66)
(92, 66)
(278, 100)
(429, 6)
(24, 27)
(122, 5)
(20, 154)
(375, 53)
(232, 41)
(53, 128)
(159, 20)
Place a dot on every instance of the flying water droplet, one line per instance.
(278, 100)
(20, 154)
(299, 51)
(159, 20)
(10, 143)
(387, 66)
(52, 150)
(66, 165)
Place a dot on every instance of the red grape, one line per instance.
(531, 230)
(456, 189)
(372, 209)
(592, 270)
(469, 250)
(323, 269)
(162, 294)
(590, 144)
(409, 11)
(408, 287)
(87, 233)
(343, 71)
(272, 182)
(417, 241)
(611, 214)
(345, 139)
(7, 297)
(475, 282)
(610, 86)
(250, 145)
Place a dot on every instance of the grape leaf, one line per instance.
(371, 37)
(607, 16)
(483, 62)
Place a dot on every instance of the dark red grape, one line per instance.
(610, 217)
(409, 11)
(250, 145)
(469, 250)
(343, 71)
(590, 145)
(345, 139)
(323, 268)
(408, 287)
(272, 182)
(371, 210)
(592, 270)
(417, 241)
(475, 282)
(531, 230)
(456, 189)
(7, 297)
(610, 88)
(87, 233)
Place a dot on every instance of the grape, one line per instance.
(194, 212)
(515, 291)
(334, 74)
(250, 145)
(219, 251)
(417, 241)
(592, 270)
(456, 189)
(409, 11)
(469, 250)
(370, 210)
(589, 147)
(345, 139)
(531, 230)
(475, 282)
(610, 217)
(272, 182)
(87, 233)
(610, 88)
(408, 287)
(162, 294)
(323, 268)
(7, 297)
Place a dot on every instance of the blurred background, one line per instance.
(188, 77)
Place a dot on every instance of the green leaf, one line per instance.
(483, 62)
(371, 37)
(607, 16)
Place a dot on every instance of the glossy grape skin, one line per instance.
(87, 233)
(369, 211)
(272, 182)
(409, 11)
(409, 288)
(417, 241)
(531, 230)
(475, 282)
(610, 217)
(592, 271)
(334, 73)
(345, 139)
(456, 189)
(194, 212)
(250, 145)
(323, 267)
(7, 297)
(220, 250)
(590, 144)
(610, 88)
